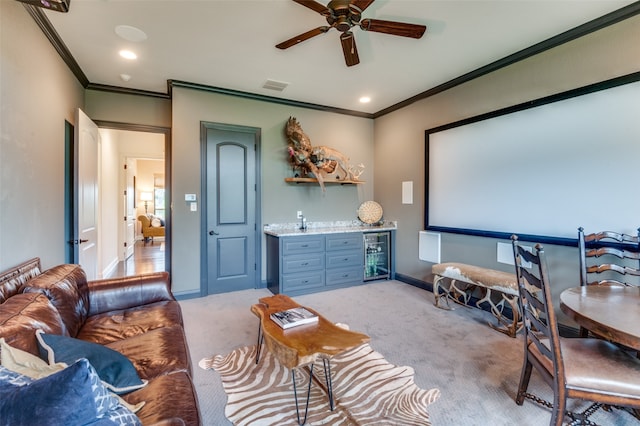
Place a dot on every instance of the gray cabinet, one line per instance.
(306, 264)
(344, 263)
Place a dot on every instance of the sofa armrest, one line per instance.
(128, 292)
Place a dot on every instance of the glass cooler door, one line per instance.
(376, 255)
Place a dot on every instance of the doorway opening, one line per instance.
(139, 158)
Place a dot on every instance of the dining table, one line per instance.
(611, 312)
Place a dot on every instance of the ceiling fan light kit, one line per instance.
(346, 14)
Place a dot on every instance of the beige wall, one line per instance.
(126, 108)
(352, 136)
(399, 139)
(38, 93)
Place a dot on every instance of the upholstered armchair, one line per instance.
(148, 230)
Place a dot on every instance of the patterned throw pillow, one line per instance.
(74, 395)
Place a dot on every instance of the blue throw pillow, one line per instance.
(115, 369)
(63, 398)
(73, 396)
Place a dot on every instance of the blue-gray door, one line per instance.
(231, 199)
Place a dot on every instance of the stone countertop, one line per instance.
(319, 228)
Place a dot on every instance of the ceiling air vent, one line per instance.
(275, 85)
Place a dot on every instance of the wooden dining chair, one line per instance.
(581, 368)
(608, 258)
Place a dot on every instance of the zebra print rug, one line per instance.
(367, 390)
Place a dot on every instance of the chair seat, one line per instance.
(593, 364)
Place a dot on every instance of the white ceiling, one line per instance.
(230, 44)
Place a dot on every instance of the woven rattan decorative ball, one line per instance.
(370, 212)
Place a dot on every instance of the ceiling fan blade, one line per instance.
(349, 48)
(315, 6)
(360, 5)
(393, 28)
(302, 37)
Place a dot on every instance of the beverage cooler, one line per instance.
(376, 255)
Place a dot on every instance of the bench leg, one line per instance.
(508, 326)
(452, 292)
(436, 292)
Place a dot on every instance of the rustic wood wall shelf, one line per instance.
(313, 180)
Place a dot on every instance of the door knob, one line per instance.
(77, 241)
(213, 233)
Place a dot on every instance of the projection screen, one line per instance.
(540, 169)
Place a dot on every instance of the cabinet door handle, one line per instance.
(304, 264)
(304, 245)
(305, 281)
(346, 259)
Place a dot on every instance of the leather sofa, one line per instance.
(136, 316)
(149, 231)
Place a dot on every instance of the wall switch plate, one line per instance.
(194, 206)
(299, 214)
(189, 197)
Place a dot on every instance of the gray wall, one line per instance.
(399, 139)
(352, 136)
(38, 93)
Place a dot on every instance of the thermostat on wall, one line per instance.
(189, 197)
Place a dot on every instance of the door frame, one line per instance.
(204, 252)
(166, 131)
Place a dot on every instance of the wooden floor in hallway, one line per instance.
(147, 257)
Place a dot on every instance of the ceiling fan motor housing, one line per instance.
(343, 15)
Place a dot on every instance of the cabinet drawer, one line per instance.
(302, 262)
(346, 275)
(345, 241)
(296, 245)
(343, 259)
(302, 280)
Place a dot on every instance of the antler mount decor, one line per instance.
(319, 164)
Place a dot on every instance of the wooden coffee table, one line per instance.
(303, 345)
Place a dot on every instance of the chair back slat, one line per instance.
(541, 342)
(609, 235)
(532, 299)
(611, 251)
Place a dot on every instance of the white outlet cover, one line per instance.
(429, 246)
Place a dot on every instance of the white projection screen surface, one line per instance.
(540, 171)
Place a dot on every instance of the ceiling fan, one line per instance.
(346, 14)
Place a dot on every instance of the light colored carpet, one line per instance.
(475, 368)
(368, 391)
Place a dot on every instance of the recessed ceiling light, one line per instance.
(127, 54)
(125, 77)
(130, 33)
(365, 99)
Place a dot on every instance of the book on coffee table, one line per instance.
(294, 317)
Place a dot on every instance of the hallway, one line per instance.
(146, 258)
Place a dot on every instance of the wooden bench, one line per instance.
(464, 279)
